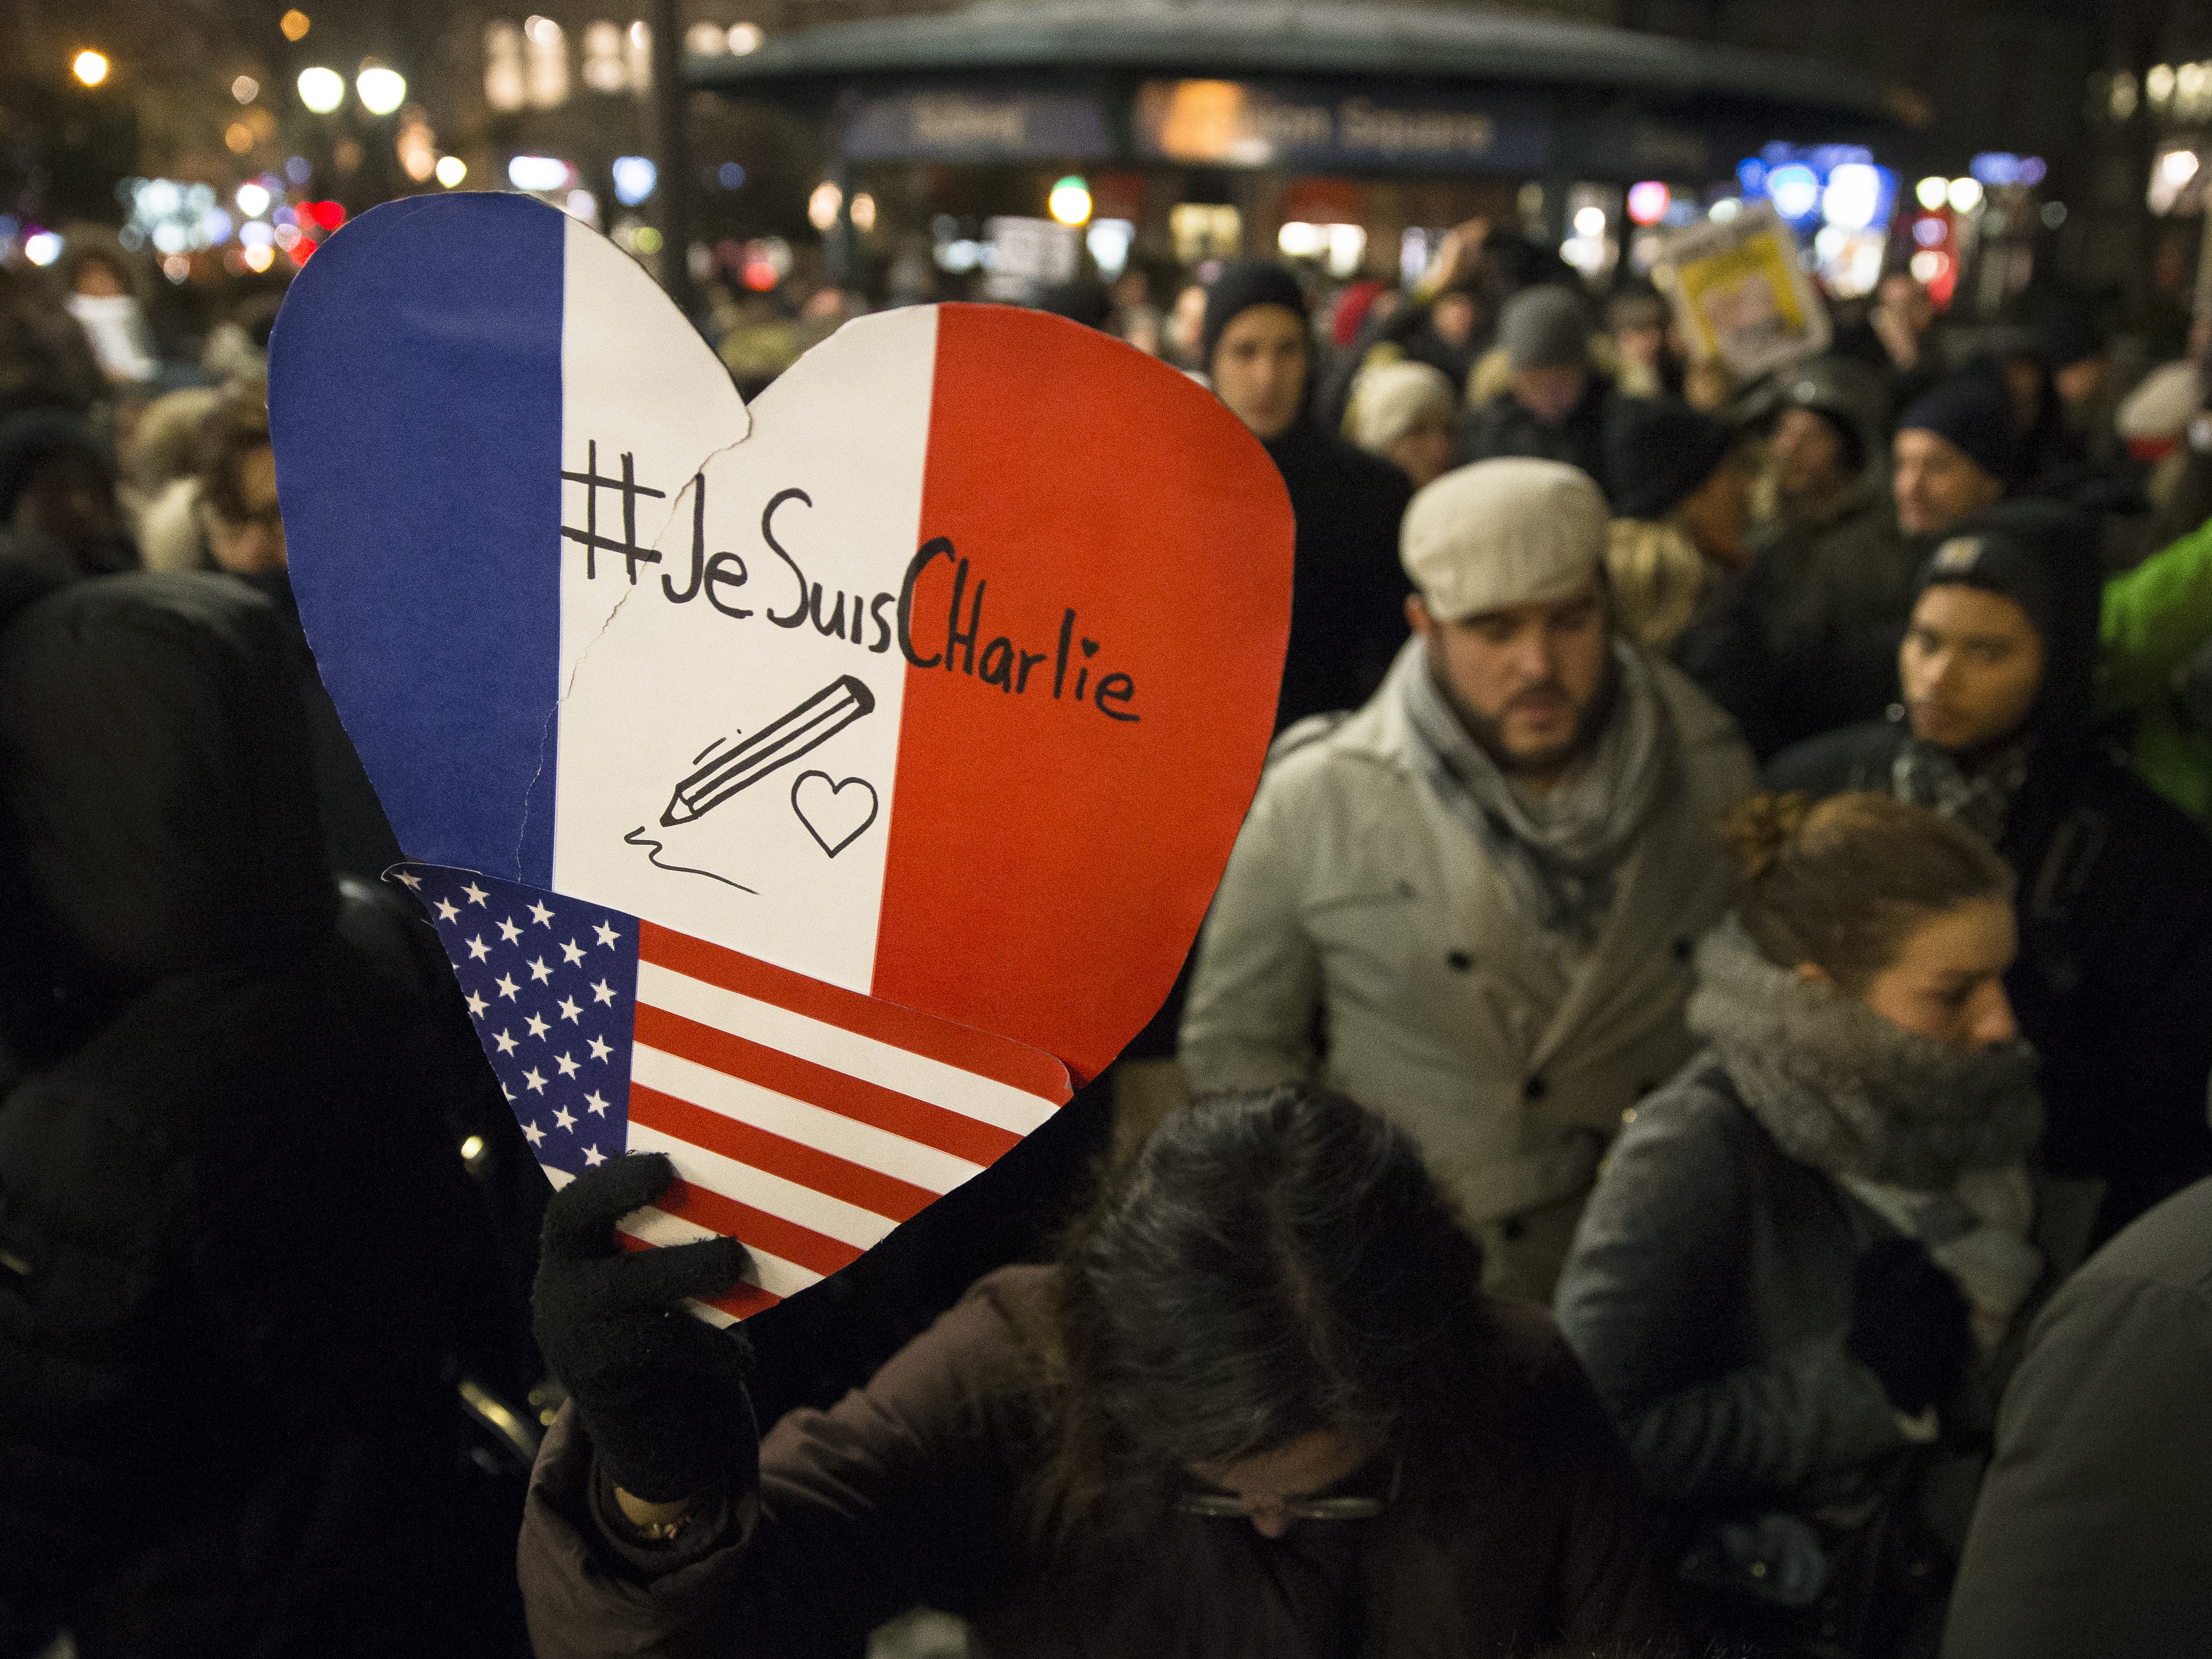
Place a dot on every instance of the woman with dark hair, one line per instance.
(1259, 1407)
(1804, 1276)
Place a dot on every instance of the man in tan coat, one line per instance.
(1471, 904)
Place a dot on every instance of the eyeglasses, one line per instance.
(1227, 1506)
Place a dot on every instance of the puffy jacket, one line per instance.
(2155, 617)
(1355, 895)
(237, 1241)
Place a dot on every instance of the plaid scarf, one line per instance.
(1924, 776)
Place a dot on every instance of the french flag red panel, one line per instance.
(931, 688)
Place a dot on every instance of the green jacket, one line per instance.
(2155, 616)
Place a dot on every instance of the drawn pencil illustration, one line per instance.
(787, 738)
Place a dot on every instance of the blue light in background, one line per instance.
(634, 178)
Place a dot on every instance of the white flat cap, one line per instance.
(1504, 533)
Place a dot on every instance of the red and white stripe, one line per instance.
(806, 1120)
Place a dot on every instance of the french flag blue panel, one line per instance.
(432, 328)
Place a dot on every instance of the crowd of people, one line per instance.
(1687, 1129)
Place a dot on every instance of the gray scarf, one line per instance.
(1558, 851)
(1844, 1091)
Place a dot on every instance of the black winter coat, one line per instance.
(1805, 639)
(236, 1242)
(1347, 588)
(1503, 427)
(2113, 982)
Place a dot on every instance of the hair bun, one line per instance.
(1759, 827)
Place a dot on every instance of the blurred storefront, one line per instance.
(1349, 135)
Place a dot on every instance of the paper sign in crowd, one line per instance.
(796, 789)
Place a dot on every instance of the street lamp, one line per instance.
(381, 90)
(321, 90)
(90, 67)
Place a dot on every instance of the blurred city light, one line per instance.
(545, 63)
(730, 175)
(864, 211)
(89, 67)
(238, 137)
(706, 41)
(417, 146)
(603, 57)
(252, 199)
(245, 88)
(1648, 202)
(1590, 221)
(1109, 241)
(259, 257)
(581, 204)
(538, 172)
(1932, 193)
(1965, 195)
(1725, 210)
(2054, 214)
(1070, 201)
(294, 24)
(1794, 190)
(745, 38)
(503, 87)
(42, 247)
(634, 178)
(452, 170)
(381, 90)
(1855, 197)
(822, 206)
(321, 90)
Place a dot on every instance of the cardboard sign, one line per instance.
(941, 677)
(1741, 294)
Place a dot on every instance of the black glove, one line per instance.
(1909, 1324)
(662, 1395)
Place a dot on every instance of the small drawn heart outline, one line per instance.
(837, 788)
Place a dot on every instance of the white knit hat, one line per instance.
(1504, 533)
(1387, 398)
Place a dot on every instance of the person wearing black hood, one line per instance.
(1347, 594)
(57, 494)
(1347, 591)
(237, 1246)
(1805, 641)
(2114, 904)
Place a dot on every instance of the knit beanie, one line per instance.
(1658, 451)
(1967, 411)
(1242, 285)
(1546, 327)
(1387, 399)
(2042, 557)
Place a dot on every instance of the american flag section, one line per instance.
(804, 1119)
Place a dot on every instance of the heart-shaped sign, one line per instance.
(576, 604)
(940, 679)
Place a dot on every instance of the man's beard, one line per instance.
(1590, 721)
